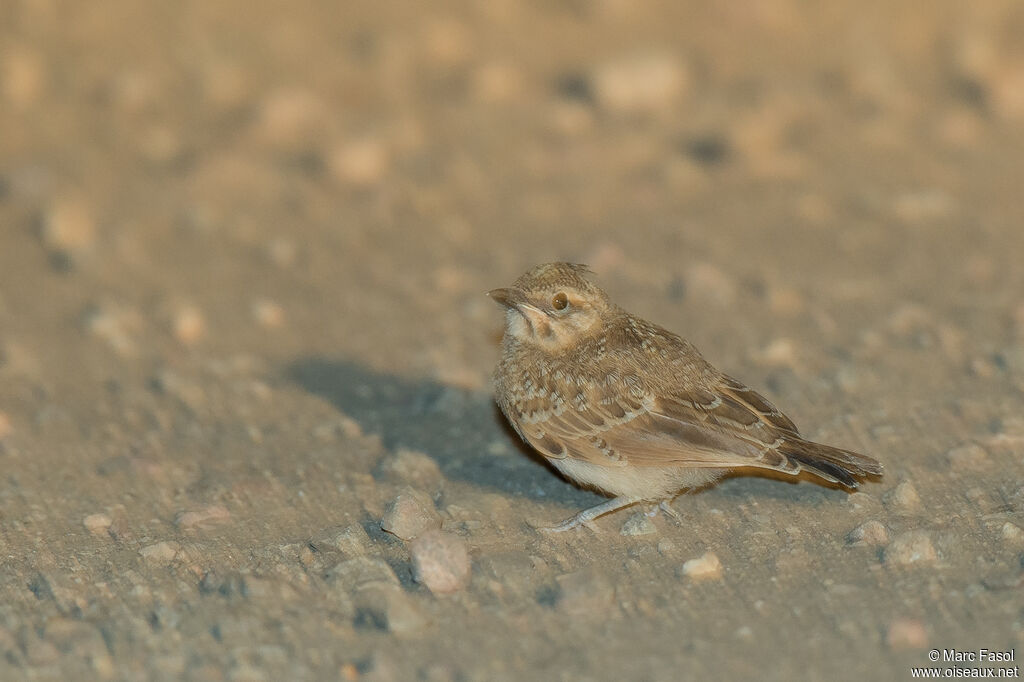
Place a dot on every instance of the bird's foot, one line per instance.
(587, 516)
(665, 508)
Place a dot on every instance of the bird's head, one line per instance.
(552, 305)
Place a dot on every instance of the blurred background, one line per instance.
(243, 255)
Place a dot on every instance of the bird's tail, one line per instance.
(832, 464)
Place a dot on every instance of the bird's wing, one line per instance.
(721, 426)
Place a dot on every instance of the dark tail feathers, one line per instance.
(832, 464)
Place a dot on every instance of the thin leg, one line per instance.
(665, 508)
(585, 517)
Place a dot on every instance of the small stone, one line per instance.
(22, 76)
(361, 163)
(638, 524)
(6, 428)
(161, 552)
(903, 497)
(412, 468)
(968, 456)
(447, 42)
(410, 514)
(188, 325)
(68, 226)
(871, 533)
(268, 314)
(497, 82)
(440, 561)
(202, 518)
(907, 633)
(585, 593)
(779, 353)
(289, 115)
(388, 608)
(351, 541)
(185, 389)
(645, 82)
(116, 325)
(860, 501)
(98, 524)
(282, 252)
(910, 548)
(705, 567)
(1012, 534)
(362, 571)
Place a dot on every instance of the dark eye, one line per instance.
(560, 302)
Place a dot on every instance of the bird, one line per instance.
(621, 405)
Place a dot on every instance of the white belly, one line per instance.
(638, 483)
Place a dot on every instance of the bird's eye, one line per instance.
(560, 302)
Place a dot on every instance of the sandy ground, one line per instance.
(243, 250)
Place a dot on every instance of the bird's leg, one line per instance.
(665, 508)
(585, 517)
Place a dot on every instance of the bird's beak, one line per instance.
(507, 296)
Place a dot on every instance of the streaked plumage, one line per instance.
(622, 405)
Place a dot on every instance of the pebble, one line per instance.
(645, 82)
(780, 352)
(22, 76)
(351, 541)
(705, 567)
(585, 593)
(268, 314)
(871, 533)
(6, 428)
(410, 514)
(495, 82)
(188, 325)
(638, 524)
(903, 497)
(161, 552)
(440, 561)
(968, 456)
(906, 633)
(447, 42)
(412, 468)
(68, 226)
(911, 547)
(861, 501)
(1012, 534)
(362, 571)
(282, 252)
(361, 163)
(98, 524)
(116, 325)
(202, 518)
(389, 608)
(289, 115)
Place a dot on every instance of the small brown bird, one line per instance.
(619, 404)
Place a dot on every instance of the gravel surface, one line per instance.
(246, 428)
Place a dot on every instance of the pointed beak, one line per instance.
(507, 296)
